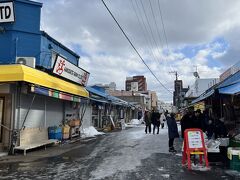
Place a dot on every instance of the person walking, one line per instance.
(147, 121)
(172, 131)
(162, 120)
(157, 116)
(154, 120)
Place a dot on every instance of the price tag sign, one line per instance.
(194, 139)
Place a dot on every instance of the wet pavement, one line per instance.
(128, 154)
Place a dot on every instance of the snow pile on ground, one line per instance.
(233, 173)
(3, 154)
(165, 175)
(90, 132)
(198, 167)
(134, 123)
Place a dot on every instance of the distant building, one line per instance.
(108, 87)
(165, 107)
(136, 83)
(201, 85)
(145, 99)
(179, 94)
(154, 99)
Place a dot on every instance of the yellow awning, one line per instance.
(18, 72)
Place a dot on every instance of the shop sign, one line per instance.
(200, 105)
(6, 12)
(65, 69)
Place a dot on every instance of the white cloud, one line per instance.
(110, 57)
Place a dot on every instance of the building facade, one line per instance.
(201, 85)
(179, 94)
(136, 83)
(36, 89)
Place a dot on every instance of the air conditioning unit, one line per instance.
(28, 61)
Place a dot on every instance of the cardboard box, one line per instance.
(74, 122)
(65, 136)
(66, 129)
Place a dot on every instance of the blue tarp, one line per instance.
(106, 98)
(231, 89)
(97, 92)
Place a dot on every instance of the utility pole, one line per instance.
(176, 74)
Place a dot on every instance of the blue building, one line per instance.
(41, 85)
(23, 38)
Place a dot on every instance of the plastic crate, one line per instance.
(234, 156)
(55, 132)
(234, 143)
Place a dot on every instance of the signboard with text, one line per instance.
(6, 12)
(65, 69)
(195, 139)
(194, 145)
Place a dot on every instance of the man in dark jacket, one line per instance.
(186, 122)
(172, 131)
(198, 120)
(147, 120)
(157, 122)
(154, 120)
(220, 128)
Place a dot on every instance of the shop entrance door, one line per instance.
(1, 117)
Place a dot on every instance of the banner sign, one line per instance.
(54, 93)
(6, 12)
(65, 69)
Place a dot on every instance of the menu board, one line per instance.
(194, 139)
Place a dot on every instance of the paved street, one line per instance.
(128, 154)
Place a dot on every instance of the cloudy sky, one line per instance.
(202, 34)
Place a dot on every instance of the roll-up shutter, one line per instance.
(36, 116)
(54, 112)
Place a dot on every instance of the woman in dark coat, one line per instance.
(172, 131)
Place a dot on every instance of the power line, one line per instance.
(164, 31)
(142, 25)
(134, 47)
(146, 29)
(151, 40)
(151, 31)
(160, 39)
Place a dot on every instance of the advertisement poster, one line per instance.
(194, 139)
